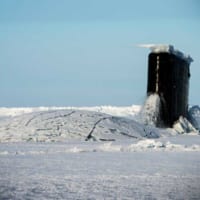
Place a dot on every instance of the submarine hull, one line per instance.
(168, 76)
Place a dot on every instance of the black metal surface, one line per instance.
(168, 76)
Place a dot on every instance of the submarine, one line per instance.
(168, 76)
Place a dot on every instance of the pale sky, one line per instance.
(84, 53)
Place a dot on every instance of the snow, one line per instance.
(98, 153)
(75, 124)
(167, 48)
(184, 126)
(128, 111)
(72, 171)
(150, 112)
(167, 145)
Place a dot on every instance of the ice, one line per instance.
(150, 112)
(166, 48)
(128, 111)
(147, 169)
(144, 145)
(184, 126)
(44, 154)
(63, 125)
(194, 116)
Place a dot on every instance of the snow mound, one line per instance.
(64, 125)
(148, 145)
(104, 123)
(145, 145)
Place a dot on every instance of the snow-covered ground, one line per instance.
(96, 153)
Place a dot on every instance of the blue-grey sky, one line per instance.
(84, 53)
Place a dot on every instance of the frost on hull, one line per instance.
(168, 76)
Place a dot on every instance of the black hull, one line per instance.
(168, 76)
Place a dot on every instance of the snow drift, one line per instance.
(63, 125)
(103, 123)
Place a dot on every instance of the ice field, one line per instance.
(96, 153)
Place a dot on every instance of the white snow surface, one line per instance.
(148, 169)
(97, 153)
